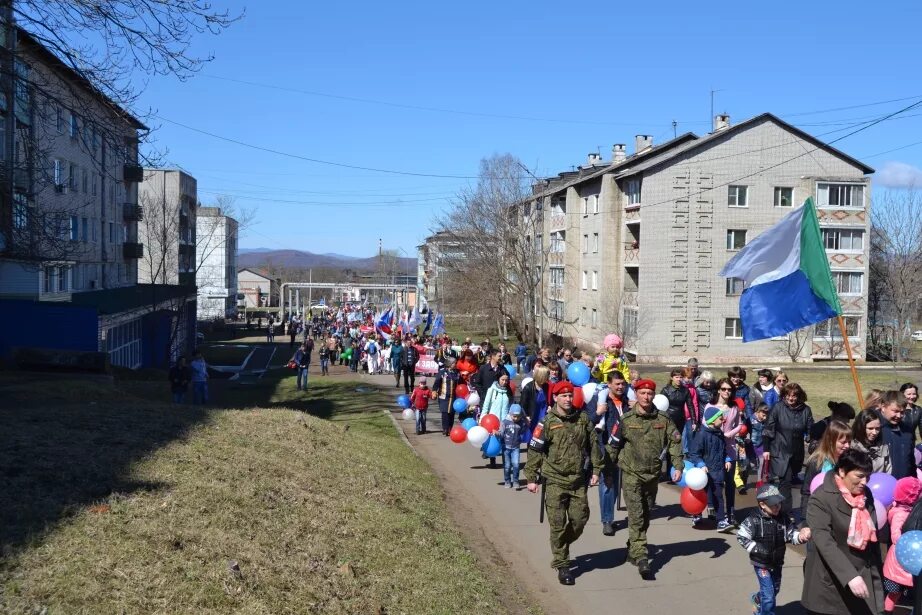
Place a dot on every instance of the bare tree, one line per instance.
(792, 345)
(498, 225)
(895, 269)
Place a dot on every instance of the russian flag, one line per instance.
(383, 323)
(788, 281)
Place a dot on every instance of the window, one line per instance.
(556, 309)
(847, 282)
(830, 328)
(630, 322)
(632, 191)
(737, 196)
(20, 211)
(539, 243)
(736, 239)
(86, 181)
(733, 329)
(582, 317)
(72, 176)
(558, 205)
(74, 125)
(59, 119)
(55, 279)
(585, 205)
(784, 197)
(58, 173)
(95, 141)
(111, 232)
(595, 243)
(556, 276)
(840, 195)
(84, 229)
(845, 240)
(585, 280)
(595, 280)
(735, 286)
(585, 244)
(595, 318)
(595, 203)
(93, 226)
(558, 242)
(74, 228)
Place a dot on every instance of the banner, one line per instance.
(426, 364)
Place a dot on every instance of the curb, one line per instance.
(403, 436)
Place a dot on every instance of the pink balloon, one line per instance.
(918, 455)
(918, 473)
(817, 481)
(881, 511)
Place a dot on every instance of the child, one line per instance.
(611, 360)
(512, 435)
(755, 438)
(199, 379)
(763, 534)
(896, 580)
(710, 447)
(419, 399)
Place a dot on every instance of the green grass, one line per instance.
(115, 502)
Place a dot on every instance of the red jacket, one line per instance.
(420, 398)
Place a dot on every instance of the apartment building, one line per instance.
(636, 244)
(169, 198)
(216, 264)
(69, 214)
(433, 275)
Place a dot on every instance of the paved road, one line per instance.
(697, 571)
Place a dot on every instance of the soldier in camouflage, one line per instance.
(638, 446)
(559, 447)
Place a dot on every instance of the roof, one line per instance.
(125, 298)
(720, 135)
(589, 173)
(35, 46)
(258, 272)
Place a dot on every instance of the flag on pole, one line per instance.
(787, 277)
(415, 318)
(428, 322)
(438, 325)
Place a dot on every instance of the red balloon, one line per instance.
(458, 434)
(578, 401)
(693, 502)
(490, 422)
(743, 431)
(462, 391)
(511, 388)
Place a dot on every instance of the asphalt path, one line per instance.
(697, 570)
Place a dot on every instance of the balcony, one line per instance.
(187, 249)
(187, 278)
(133, 173)
(132, 212)
(631, 254)
(132, 250)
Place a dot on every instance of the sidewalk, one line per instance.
(699, 571)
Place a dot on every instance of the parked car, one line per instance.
(917, 336)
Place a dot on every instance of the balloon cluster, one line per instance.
(479, 436)
(694, 498)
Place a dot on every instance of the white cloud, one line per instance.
(899, 175)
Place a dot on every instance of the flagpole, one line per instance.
(851, 362)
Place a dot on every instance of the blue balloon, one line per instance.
(511, 370)
(909, 552)
(468, 423)
(403, 401)
(526, 436)
(493, 447)
(701, 464)
(459, 405)
(578, 374)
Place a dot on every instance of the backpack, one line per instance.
(372, 348)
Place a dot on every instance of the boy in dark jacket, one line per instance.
(710, 446)
(763, 534)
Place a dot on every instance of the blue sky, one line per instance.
(431, 88)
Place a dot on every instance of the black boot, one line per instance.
(565, 576)
(643, 567)
(608, 529)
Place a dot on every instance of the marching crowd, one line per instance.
(590, 420)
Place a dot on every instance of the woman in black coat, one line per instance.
(842, 573)
(783, 438)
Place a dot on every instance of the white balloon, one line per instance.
(631, 395)
(525, 381)
(661, 402)
(477, 435)
(408, 414)
(696, 479)
(473, 399)
(588, 391)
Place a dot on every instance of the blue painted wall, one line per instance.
(41, 324)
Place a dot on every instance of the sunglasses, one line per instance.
(726, 389)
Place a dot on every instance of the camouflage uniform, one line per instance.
(638, 445)
(558, 449)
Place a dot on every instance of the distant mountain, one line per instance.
(306, 260)
(252, 250)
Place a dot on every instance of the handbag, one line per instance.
(292, 364)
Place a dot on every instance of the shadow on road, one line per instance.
(663, 554)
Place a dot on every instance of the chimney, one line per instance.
(618, 152)
(721, 122)
(593, 158)
(642, 142)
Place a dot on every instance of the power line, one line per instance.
(397, 203)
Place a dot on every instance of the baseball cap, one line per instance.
(769, 494)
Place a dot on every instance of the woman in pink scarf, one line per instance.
(842, 572)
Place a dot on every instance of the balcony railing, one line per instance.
(133, 173)
(132, 250)
(132, 212)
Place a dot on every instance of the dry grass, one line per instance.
(124, 505)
